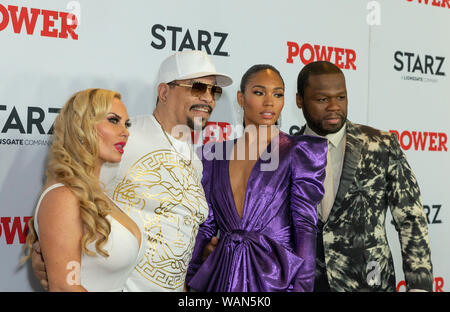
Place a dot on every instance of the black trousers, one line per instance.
(321, 280)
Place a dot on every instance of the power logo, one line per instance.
(307, 53)
(436, 3)
(421, 141)
(18, 18)
(438, 285)
(213, 132)
(18, 228)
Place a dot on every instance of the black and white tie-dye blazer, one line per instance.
(375, 176)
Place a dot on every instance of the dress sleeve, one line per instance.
(308, 162)
(207, 229)
(403, 195)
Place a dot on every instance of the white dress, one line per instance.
(100, 273)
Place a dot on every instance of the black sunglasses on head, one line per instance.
(199, 88)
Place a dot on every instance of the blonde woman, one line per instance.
(88, 244)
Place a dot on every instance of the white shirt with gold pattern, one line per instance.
(160, 188)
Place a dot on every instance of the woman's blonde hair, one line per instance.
(72, 160)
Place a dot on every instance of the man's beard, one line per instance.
(191, 124)
(316, 125)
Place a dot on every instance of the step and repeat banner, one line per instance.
(392, 52)
(408, 76)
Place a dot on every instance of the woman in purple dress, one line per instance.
(262, 190)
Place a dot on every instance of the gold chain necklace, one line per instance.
(191, 154)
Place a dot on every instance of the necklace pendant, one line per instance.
(191, 153)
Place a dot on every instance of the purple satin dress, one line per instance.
(272, 247)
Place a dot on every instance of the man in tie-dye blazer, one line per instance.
(370, 174)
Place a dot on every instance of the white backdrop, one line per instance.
(120, 44)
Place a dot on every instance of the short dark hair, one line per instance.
(314, 68)
(254, 70)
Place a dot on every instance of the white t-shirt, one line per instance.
(161, 190)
